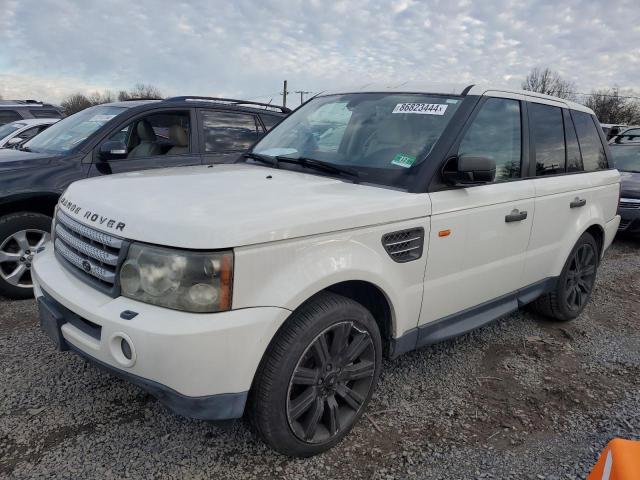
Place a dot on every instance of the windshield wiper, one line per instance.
(24, 148)
(321, 166)
(273, 161)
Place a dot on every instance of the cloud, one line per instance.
(50, 48)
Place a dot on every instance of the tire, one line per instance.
(329, 387)
(20, 235)
(575, 284)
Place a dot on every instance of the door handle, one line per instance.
(578, 202)
(515, 216)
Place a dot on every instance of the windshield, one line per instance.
(68, 133)
(9, 128)
(382, 132)
(626, 158)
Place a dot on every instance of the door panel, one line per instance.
(483, 256)
(169, 138)
(556, 225)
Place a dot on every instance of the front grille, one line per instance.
(624, 224)
(90, 254)
(630, 204)
(404, 245)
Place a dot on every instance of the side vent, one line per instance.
(404, 245)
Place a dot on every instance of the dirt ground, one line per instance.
(521, 398)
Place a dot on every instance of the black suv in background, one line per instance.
(112, 138)
(625, 149)
(13, 110)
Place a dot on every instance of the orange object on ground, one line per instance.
(620, 460)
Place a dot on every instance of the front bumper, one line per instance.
(199, 365)
(630, 220)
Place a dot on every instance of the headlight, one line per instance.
(197, 282)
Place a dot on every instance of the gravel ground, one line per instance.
(521, 398)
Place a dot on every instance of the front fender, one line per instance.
(285, 274)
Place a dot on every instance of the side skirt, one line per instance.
(469, 319)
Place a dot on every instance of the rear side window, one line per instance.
(593, 156)
(548, 138)
(574, 160)
(228, 131)
(7, 116)
(496, 133)
(270, 121)
(44, 113)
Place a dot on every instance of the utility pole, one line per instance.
(302, 93)
(284, 94)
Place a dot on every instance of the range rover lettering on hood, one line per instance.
(92, 216)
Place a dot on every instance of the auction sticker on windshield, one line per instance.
(421, 108)
(101, 118)
(403, 160)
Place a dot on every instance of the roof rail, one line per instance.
(228, 101)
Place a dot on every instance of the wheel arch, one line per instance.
(37, 202)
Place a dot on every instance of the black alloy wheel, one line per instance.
(331, 382)
(580, 277)
(317, 376)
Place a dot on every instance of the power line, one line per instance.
(302, 93)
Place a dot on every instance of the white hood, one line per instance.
(232, 205)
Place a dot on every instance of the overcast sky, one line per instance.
(50, 48)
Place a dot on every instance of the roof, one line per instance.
(28, 122)
(459, 89)
(25, 104)
(208, 101)
(128, 103)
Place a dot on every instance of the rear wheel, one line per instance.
(21, 234)
(575, 283)
(317, 376)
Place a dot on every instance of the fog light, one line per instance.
(126, 349)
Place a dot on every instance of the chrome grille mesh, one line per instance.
(89, 253)
(630, 204)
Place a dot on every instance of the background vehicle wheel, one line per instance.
(317, 376)
(20, 235)
(575, 283)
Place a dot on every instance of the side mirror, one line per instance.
(468, 170)
(112, 149)
(14, 141)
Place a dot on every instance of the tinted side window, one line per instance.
(228, 131)
(270, 121)
(42, 113)
(548, 138)
(31, 132)
(593, 156)
(7, 116)
(496, 133)
(574, 159)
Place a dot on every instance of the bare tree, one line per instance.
(74, 103)
(78, 101)
(548, 82)
(140, 92)
(611, 107)
(97, 98)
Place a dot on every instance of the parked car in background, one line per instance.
(367, 223)
(15, 133)
(12, 110)
(112, 138)
(626, 156)
(629, 135)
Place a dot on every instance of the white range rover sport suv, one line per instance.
(366, 224)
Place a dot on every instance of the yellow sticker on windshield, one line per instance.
(403, 160)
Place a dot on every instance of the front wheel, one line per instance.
(21, 234)
(317, 376)
(575, 283)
